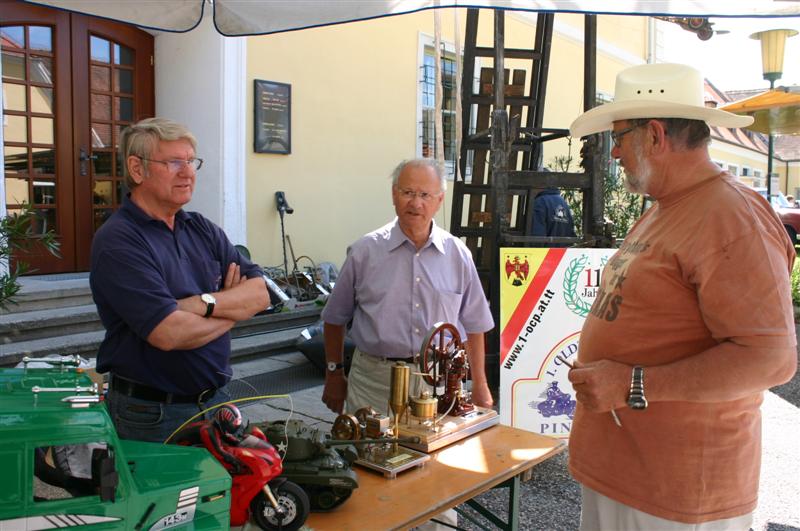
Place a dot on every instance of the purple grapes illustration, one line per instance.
(556, 402)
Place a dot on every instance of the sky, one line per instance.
(733, 61)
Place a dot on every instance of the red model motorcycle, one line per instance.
(255, 467)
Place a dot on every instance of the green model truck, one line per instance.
(63, 465)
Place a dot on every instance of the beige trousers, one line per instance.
(369, 380)
(599, 513)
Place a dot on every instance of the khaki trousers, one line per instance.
(369, 381)
(599, 513)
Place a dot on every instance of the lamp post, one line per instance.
(773, 43)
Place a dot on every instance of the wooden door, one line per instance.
(71, 83)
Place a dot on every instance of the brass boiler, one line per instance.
(424, 407)
(398, 394)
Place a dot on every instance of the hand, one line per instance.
(233, 277)
(481, 396)
(335, 392)
(602, 385)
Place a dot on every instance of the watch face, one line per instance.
(208, 298)
(331, 366)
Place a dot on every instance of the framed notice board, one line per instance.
(273, 117)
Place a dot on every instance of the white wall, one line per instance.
(200, 81)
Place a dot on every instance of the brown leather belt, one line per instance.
(144, 392)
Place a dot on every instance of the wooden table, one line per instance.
(453, 475)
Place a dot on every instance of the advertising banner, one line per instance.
(545, 295)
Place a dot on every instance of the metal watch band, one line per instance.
(636, 397)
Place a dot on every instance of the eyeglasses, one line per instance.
(177, 165)
(616, 136)
(408, 195)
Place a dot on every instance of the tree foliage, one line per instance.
(18, 237)
(622, 208)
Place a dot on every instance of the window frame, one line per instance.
(426, 43)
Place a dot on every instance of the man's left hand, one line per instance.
(481, 396)
(233, 277)
(602, 385)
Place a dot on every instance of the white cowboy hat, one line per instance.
(661, 90)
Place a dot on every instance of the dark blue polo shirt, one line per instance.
(139, 269)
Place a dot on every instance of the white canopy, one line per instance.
(258, 17)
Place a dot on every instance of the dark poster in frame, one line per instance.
(273, 117)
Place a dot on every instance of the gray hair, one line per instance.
(425, 163)
(684, 132)
(140, 140)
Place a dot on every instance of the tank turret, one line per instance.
(320, 466)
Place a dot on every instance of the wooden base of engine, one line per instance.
(448, 430)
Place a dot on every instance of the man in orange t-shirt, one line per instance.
(692, 322)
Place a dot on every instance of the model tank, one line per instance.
(311, 459)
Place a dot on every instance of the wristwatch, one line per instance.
(333, 366)
(210, 303)
(636, 398)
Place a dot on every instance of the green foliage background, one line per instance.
(796, 283)
(17, 235)
(622, 208)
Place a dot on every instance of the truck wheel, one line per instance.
(295, 505)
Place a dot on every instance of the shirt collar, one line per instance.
(397, 237)
(140, 216)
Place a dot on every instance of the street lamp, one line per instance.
(773, 43)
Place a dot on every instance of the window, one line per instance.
(608, 160)
(68, 471)
(426, 145)
(733, 169)
(758, 179)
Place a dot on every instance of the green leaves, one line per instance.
(622, 208)
(17, 237)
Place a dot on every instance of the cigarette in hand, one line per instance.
(616, 418)
(565, 362)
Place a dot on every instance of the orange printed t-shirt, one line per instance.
(708, 263)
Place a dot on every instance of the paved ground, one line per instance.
(551, 500)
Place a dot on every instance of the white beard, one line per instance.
(638, 183)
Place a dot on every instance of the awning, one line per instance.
(260, 17)
(775, 111)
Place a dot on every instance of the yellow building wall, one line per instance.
(354, 116)
(790, 177)
(727, 155)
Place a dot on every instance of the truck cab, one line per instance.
(63, 464)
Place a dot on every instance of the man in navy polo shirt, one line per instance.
(552, 215)
(169, 286)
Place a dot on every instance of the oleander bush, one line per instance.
(17, 237)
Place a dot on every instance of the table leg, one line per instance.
(513, 508)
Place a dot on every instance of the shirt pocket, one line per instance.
(448, 306)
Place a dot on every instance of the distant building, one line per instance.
(744, 153)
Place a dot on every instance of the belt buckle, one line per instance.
(201, 398)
